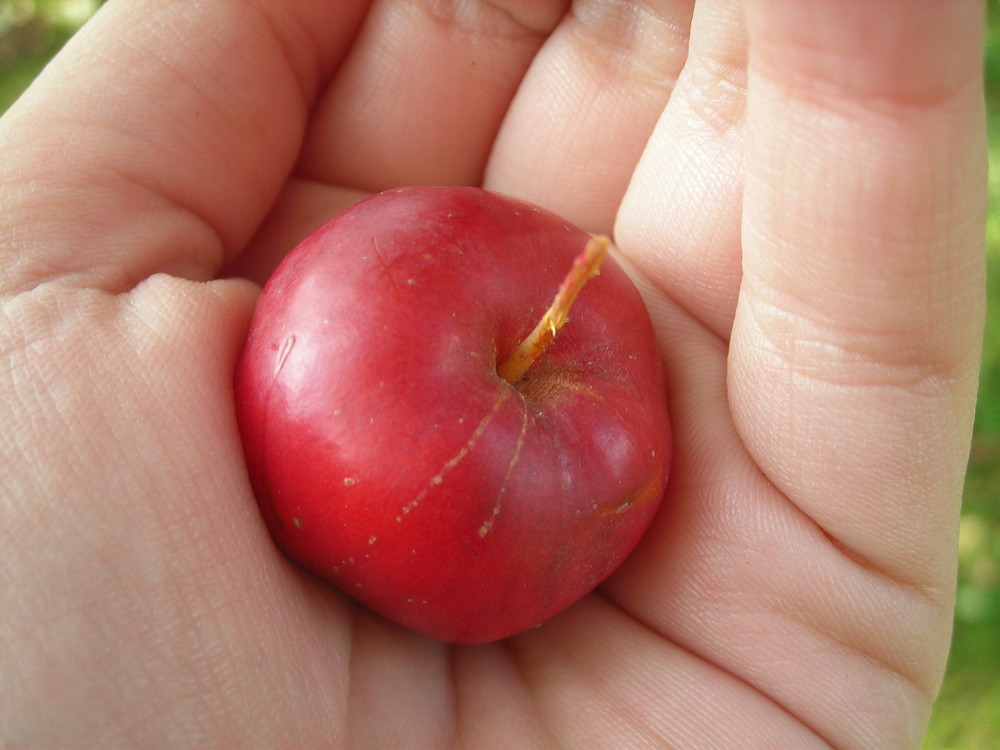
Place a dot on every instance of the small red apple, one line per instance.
(388, 454)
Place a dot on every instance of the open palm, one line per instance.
(796, 185)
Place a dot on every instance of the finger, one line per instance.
(157, 139)
(302, 207)
(420, 97)
(856, 337)
(587, 106)
(738, 576)
(680, 219)
(596, 678)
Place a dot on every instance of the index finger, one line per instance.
(855, 346)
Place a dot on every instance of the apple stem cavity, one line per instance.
(585, 265)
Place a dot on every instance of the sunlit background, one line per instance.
(967, 715)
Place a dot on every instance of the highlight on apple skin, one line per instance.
(390, 457)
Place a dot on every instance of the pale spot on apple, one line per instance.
(371, 539)
(350, 481)
(455, 460)
(297, 522)
(488, 523)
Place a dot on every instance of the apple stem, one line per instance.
(585, 265)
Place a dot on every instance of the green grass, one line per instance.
(31, 32)
(967, 715)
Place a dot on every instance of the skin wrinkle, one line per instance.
(617, 39)
(836, 363)
(912, 596)
(777, 607)
(814, 84)
(780, 317)
(492, 19)
(679, 478)
(509, 651)
(638, 621)
(716, 93)
(852, 460)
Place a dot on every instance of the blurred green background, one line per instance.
(967, 715)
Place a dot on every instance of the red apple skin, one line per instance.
(388, 456)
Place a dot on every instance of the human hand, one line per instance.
(798, 187)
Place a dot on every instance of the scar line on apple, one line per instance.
(286, 349)
(455, 460)
(386, 267)
(484, 529)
